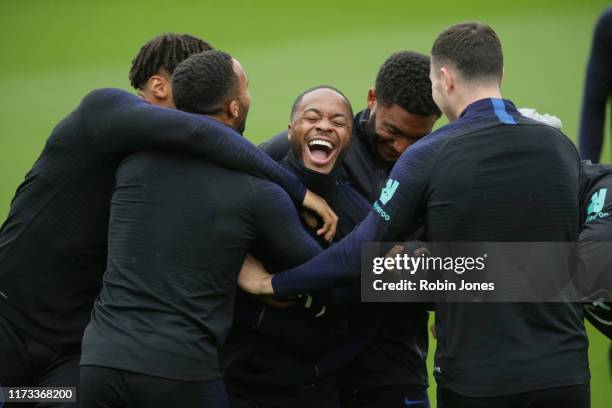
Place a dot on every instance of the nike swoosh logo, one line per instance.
(408, 402)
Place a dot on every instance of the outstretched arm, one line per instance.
(278, 226)
(392, 217)
(116, 121)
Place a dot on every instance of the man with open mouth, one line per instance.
(400, 112)
(299, 348)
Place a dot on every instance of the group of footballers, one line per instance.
(123, 248)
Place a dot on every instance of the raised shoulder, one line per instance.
(112, 96)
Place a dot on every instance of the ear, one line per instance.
(234, 109)
(448, 78)
(289, 131)
(372, 98)
(160, 87)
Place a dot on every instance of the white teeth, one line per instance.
(321, 143)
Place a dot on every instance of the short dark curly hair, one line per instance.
(403, 80)
(301, 96)
(204, 82)
(165, 51)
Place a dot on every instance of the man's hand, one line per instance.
(319, 206)
(254, 279)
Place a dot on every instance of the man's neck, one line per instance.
(223, 119)
(319, 183)
(315, 170)
(470, 95)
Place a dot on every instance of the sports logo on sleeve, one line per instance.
(388, 191)
(385, 195)
(594, 210)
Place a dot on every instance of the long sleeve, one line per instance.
(595, 257)
(278, 226)
(117, 121)
(597, 90)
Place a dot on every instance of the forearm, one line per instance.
(336, 266)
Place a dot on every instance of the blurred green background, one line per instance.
(53, 52)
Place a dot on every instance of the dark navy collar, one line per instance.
(503, 109)
(363, 130)
(319, 183)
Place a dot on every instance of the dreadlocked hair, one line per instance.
(165, 52)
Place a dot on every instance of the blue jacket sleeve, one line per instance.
(594, 261)
(278, 226)
(393, 215)
(116, 121)
(597, 90)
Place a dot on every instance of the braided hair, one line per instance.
(165, 52)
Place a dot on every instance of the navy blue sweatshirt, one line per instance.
(179, 231)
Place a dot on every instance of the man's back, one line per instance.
(490, 181)
(179, 231)
(503, 183)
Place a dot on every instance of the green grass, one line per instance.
(53, 52)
